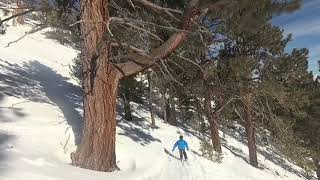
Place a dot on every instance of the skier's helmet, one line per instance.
(180, 137)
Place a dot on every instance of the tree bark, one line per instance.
(164, 105)
(97, 148)
(181, 110)
(250, 134)
(167, 110)
(126, 106)
(213, 121)
(153, 122)
(20, 19)
(317, 165)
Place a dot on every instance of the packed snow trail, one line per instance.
(186, 169)
(40, 120)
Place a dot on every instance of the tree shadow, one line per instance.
(5, 147)
(237, 152)
(189, 130)
(10, 114)
(5, 138)
(238, 133)
(271, 154)
(36, 82)
(137, 130)
(279, 160)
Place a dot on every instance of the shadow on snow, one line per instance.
(137, 130)
(36, 82)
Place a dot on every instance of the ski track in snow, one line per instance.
(36, 137)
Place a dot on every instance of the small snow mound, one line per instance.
(127, 164)
(37, 162)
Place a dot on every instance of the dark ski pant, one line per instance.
(183, 153)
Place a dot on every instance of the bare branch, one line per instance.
(129, 20)
(135, 49)
(159, 9)
(174, 79)
(144, 30)
(176, 64)
(189, 60)
(216, 5)
(221, 108)
(131, 4)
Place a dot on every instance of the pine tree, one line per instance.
(289, 88)
(248, 43)
(102, 75)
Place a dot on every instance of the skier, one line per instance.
(182, 145)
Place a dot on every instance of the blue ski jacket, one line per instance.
(182, 145)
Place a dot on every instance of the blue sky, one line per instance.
(304, 24)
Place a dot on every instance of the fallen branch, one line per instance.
(12, 105)
(17, 15)
(33, 30)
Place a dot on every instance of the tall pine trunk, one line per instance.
(172, 117)
(214, 129)
(153, 122)
(126, 106)
(181, 110)
(97, 148)
(213, 121)
(167, 110)
(250, 134)
(164, 105)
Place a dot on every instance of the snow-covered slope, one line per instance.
(40, 120)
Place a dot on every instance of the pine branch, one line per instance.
(169, 46)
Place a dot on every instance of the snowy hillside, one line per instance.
(40, 121)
